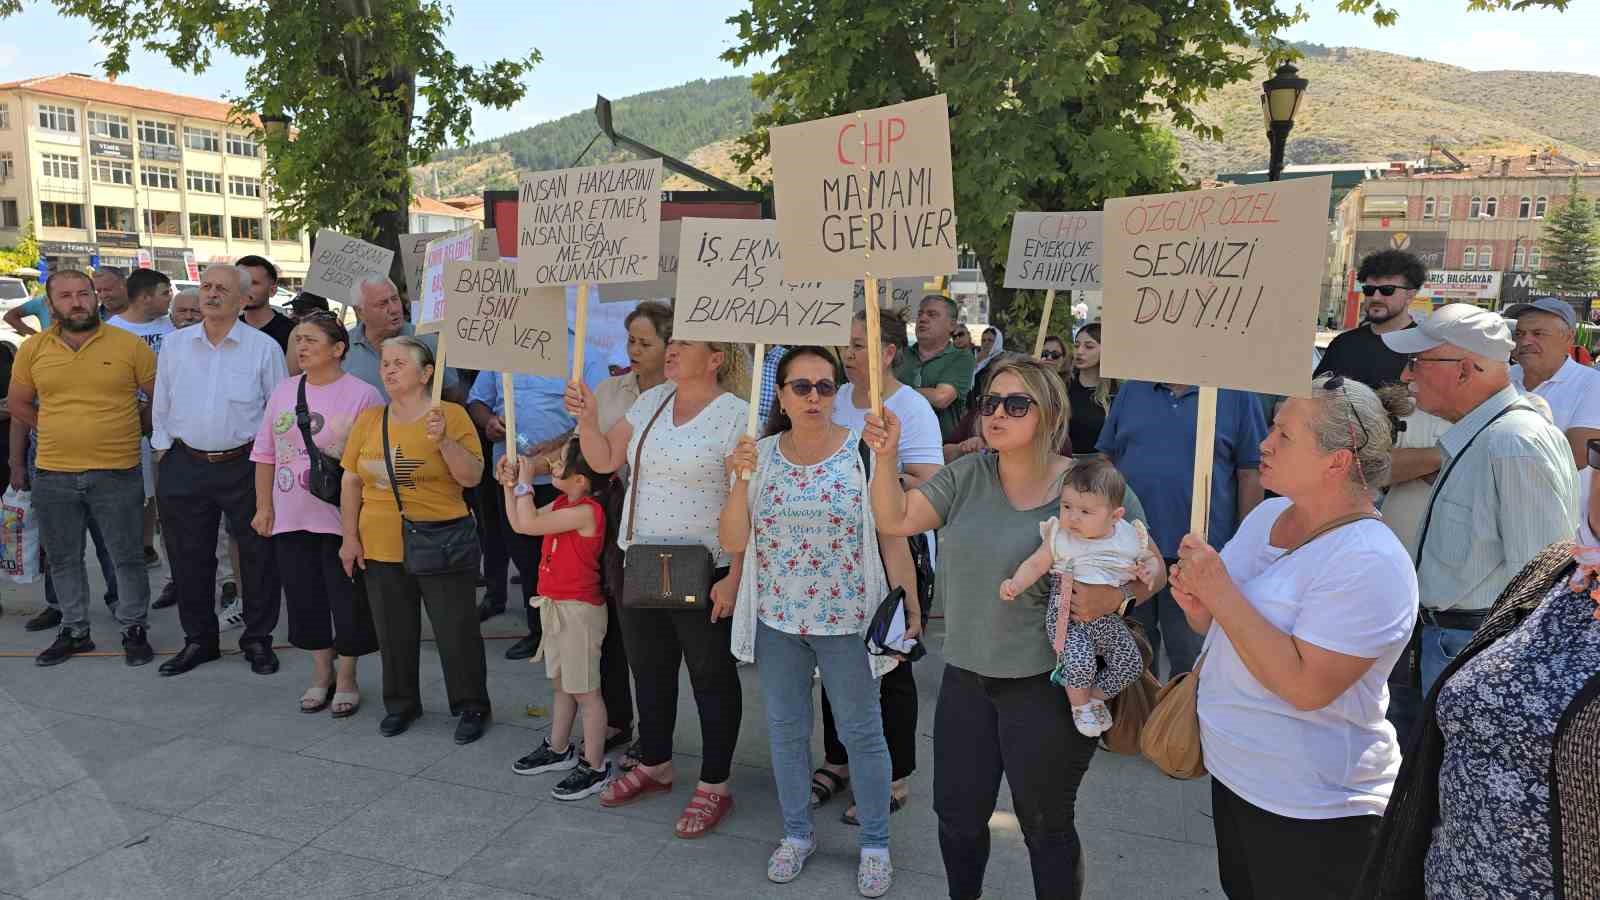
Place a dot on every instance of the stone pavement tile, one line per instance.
(486, 764)
(72, 749)
(312, 874)
(1129, 794)
(1134, 865)
(295, 799)
(457, 889)
(180, 860)
(175, 776)
(1197, 812)
(426, 825)
(427, 741)
(282, 726)
(736, 869)
(47, 836)
(19, 719)
(573, 850)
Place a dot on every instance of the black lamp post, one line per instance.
(275, 125)
(1280, 100)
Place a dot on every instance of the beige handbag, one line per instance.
(1171, 735)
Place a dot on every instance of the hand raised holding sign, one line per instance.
(882, 434)
(581, 404)
(741, 460)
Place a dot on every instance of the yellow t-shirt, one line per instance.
(426, 488)
(88, 398)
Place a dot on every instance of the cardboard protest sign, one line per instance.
(413, 249)
(1218, 287)
(665, 284)
(491, 323)
(732, 288)
(867, 194)
(456, 246)
(488, 245)
(1055, 251)
(340, 261)
(902, 295)
(597, 224)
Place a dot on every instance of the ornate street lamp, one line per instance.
(275, 125)
(1280, 100)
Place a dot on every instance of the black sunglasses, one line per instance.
(1016, 404)
(1385, 289)
(1336, 383)
(803, 387)
(1051, 354)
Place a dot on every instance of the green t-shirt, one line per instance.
(952, 366)
(981, 543)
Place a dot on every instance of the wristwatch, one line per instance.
(522, 490)
(1127, 600)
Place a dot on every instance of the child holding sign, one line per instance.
(1091, 543)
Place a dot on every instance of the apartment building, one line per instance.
(111, 174)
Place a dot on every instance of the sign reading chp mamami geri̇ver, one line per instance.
(1055, 250)
(664, 285)
(597, 224)
(458, 245)
(1217, 288)
(731, 287)
(867, 194)
(493, 324)
(339, 261)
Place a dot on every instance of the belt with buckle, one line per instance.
(215, 456)
(1467, 620)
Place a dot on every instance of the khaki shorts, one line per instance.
(572, 633)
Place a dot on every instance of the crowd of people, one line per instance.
(1389, 614)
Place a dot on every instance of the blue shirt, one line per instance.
(541, 411)
(1149, 436)
(39, 309)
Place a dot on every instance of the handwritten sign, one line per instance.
(1059, 250)
(1218, 288)
(488, 245)
(598, 224)
(731, 288)
(902, 295)
(664, 285)
(492, 323)
(458, 245)
(340, 262)
(413, 251)
(867, 194)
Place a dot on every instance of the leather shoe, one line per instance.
(262, 660)
(48, 618)
(471, 726)
(190, 656)
(488, 610)
(168, 598)
(397, 723)
(523, 649)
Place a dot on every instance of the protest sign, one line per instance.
(902, 295)
(1054, 250)
(340, 261)
(595, 225)
(413, 250)
(459, 245)
(664, 285)
(732, 288)
(488, 245)
(491, 323)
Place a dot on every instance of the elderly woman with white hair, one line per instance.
(212, 386)
(381, 315)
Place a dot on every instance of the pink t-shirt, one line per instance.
(334, 408)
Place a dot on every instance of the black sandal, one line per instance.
(895, 805)
(823, 791)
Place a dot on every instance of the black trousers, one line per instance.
(658, 641)
(327, 608)
(192, 495)
(1019, 728)
(397, 600)
(488, 510)
(897, 698)
(1264, 856)
(614, 686)
(524, 552)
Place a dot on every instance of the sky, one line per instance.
(650, 44)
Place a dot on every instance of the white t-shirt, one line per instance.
(920, 441)
(1406, 503)
(682, 481)
(151, 331)
(1573, 393)
(1106, 560)
(1352, 591)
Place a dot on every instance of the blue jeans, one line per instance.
(786, 662)
(113, 499)
(1439, 646)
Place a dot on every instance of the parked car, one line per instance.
(13, 291)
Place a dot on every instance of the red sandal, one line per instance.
(631, 787)
(704, 812)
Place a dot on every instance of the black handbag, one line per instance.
(432, 548)
(878, 629)
(325, 474)
(661, 576)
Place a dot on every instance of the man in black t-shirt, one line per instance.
(1389, 279)
(258, 311)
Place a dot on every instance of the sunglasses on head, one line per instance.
(803, 387)
(1016, 405)
(1385, 289)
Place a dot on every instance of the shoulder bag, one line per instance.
(661, 576)
(432, 548)
(325, 475)
(1171, 735)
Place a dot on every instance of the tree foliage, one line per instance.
(25, 255)
(1571, 244)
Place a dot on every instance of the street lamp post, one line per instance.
(1280, 100)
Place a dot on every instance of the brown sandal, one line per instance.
(631, 787)
(704, 812)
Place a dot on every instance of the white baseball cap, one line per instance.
(1460, 325)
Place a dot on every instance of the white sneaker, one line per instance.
(233, 615)
(788, 860)
(875, 875)
(1102, 714)
(1085, 720)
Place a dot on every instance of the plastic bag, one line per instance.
(19, 537)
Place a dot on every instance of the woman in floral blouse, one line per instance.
(813, 579)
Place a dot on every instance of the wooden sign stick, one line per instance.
(1044, 322)
(438, 375)
(508, 393)
(580, 331)
(1205, 443)
(757, 366)
(875, 344)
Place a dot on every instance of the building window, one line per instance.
(110, 171)
(164, 133)
(58, 118)
(239, 186)
(1540, 204)
(1427, 207)
(8, 214)
(113, 218)
(1535, 259)
(161, 177)
(107, 125)
(1444, 207)
(282, 232)
(61, 215)
(202, 139)
(8, 166)
(161, 221)
(1518, 257)
(1486, 257)
(1475, 208)
(245, 229)
(59, 165)
(1525, 207)
(205, 225)
(242, 145)
(1491, 207)
(5, 117)
(1469, 258)
(204, 182)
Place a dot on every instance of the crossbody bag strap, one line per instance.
(1438, 488)
(638, 457)
(302, 416)
(389, 464)
(1326, 527)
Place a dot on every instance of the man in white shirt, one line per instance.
(1544, 332)
(212, 385)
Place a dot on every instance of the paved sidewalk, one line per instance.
(115, 782)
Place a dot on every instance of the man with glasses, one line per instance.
(1544, 336)
(1389, 280)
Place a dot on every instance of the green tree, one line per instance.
(1571, 244)
(25, 255)
(347, 74)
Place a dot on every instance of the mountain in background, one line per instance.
(1362, 106)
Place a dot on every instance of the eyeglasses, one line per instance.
(1385, 289)
(1016, 405)
(1051, 354)
(803, 387)
(1413, 361)
(1336, 383)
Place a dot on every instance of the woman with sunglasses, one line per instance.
(998, 713)
(1305, 611)
(1054, 354)
(814, 580)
